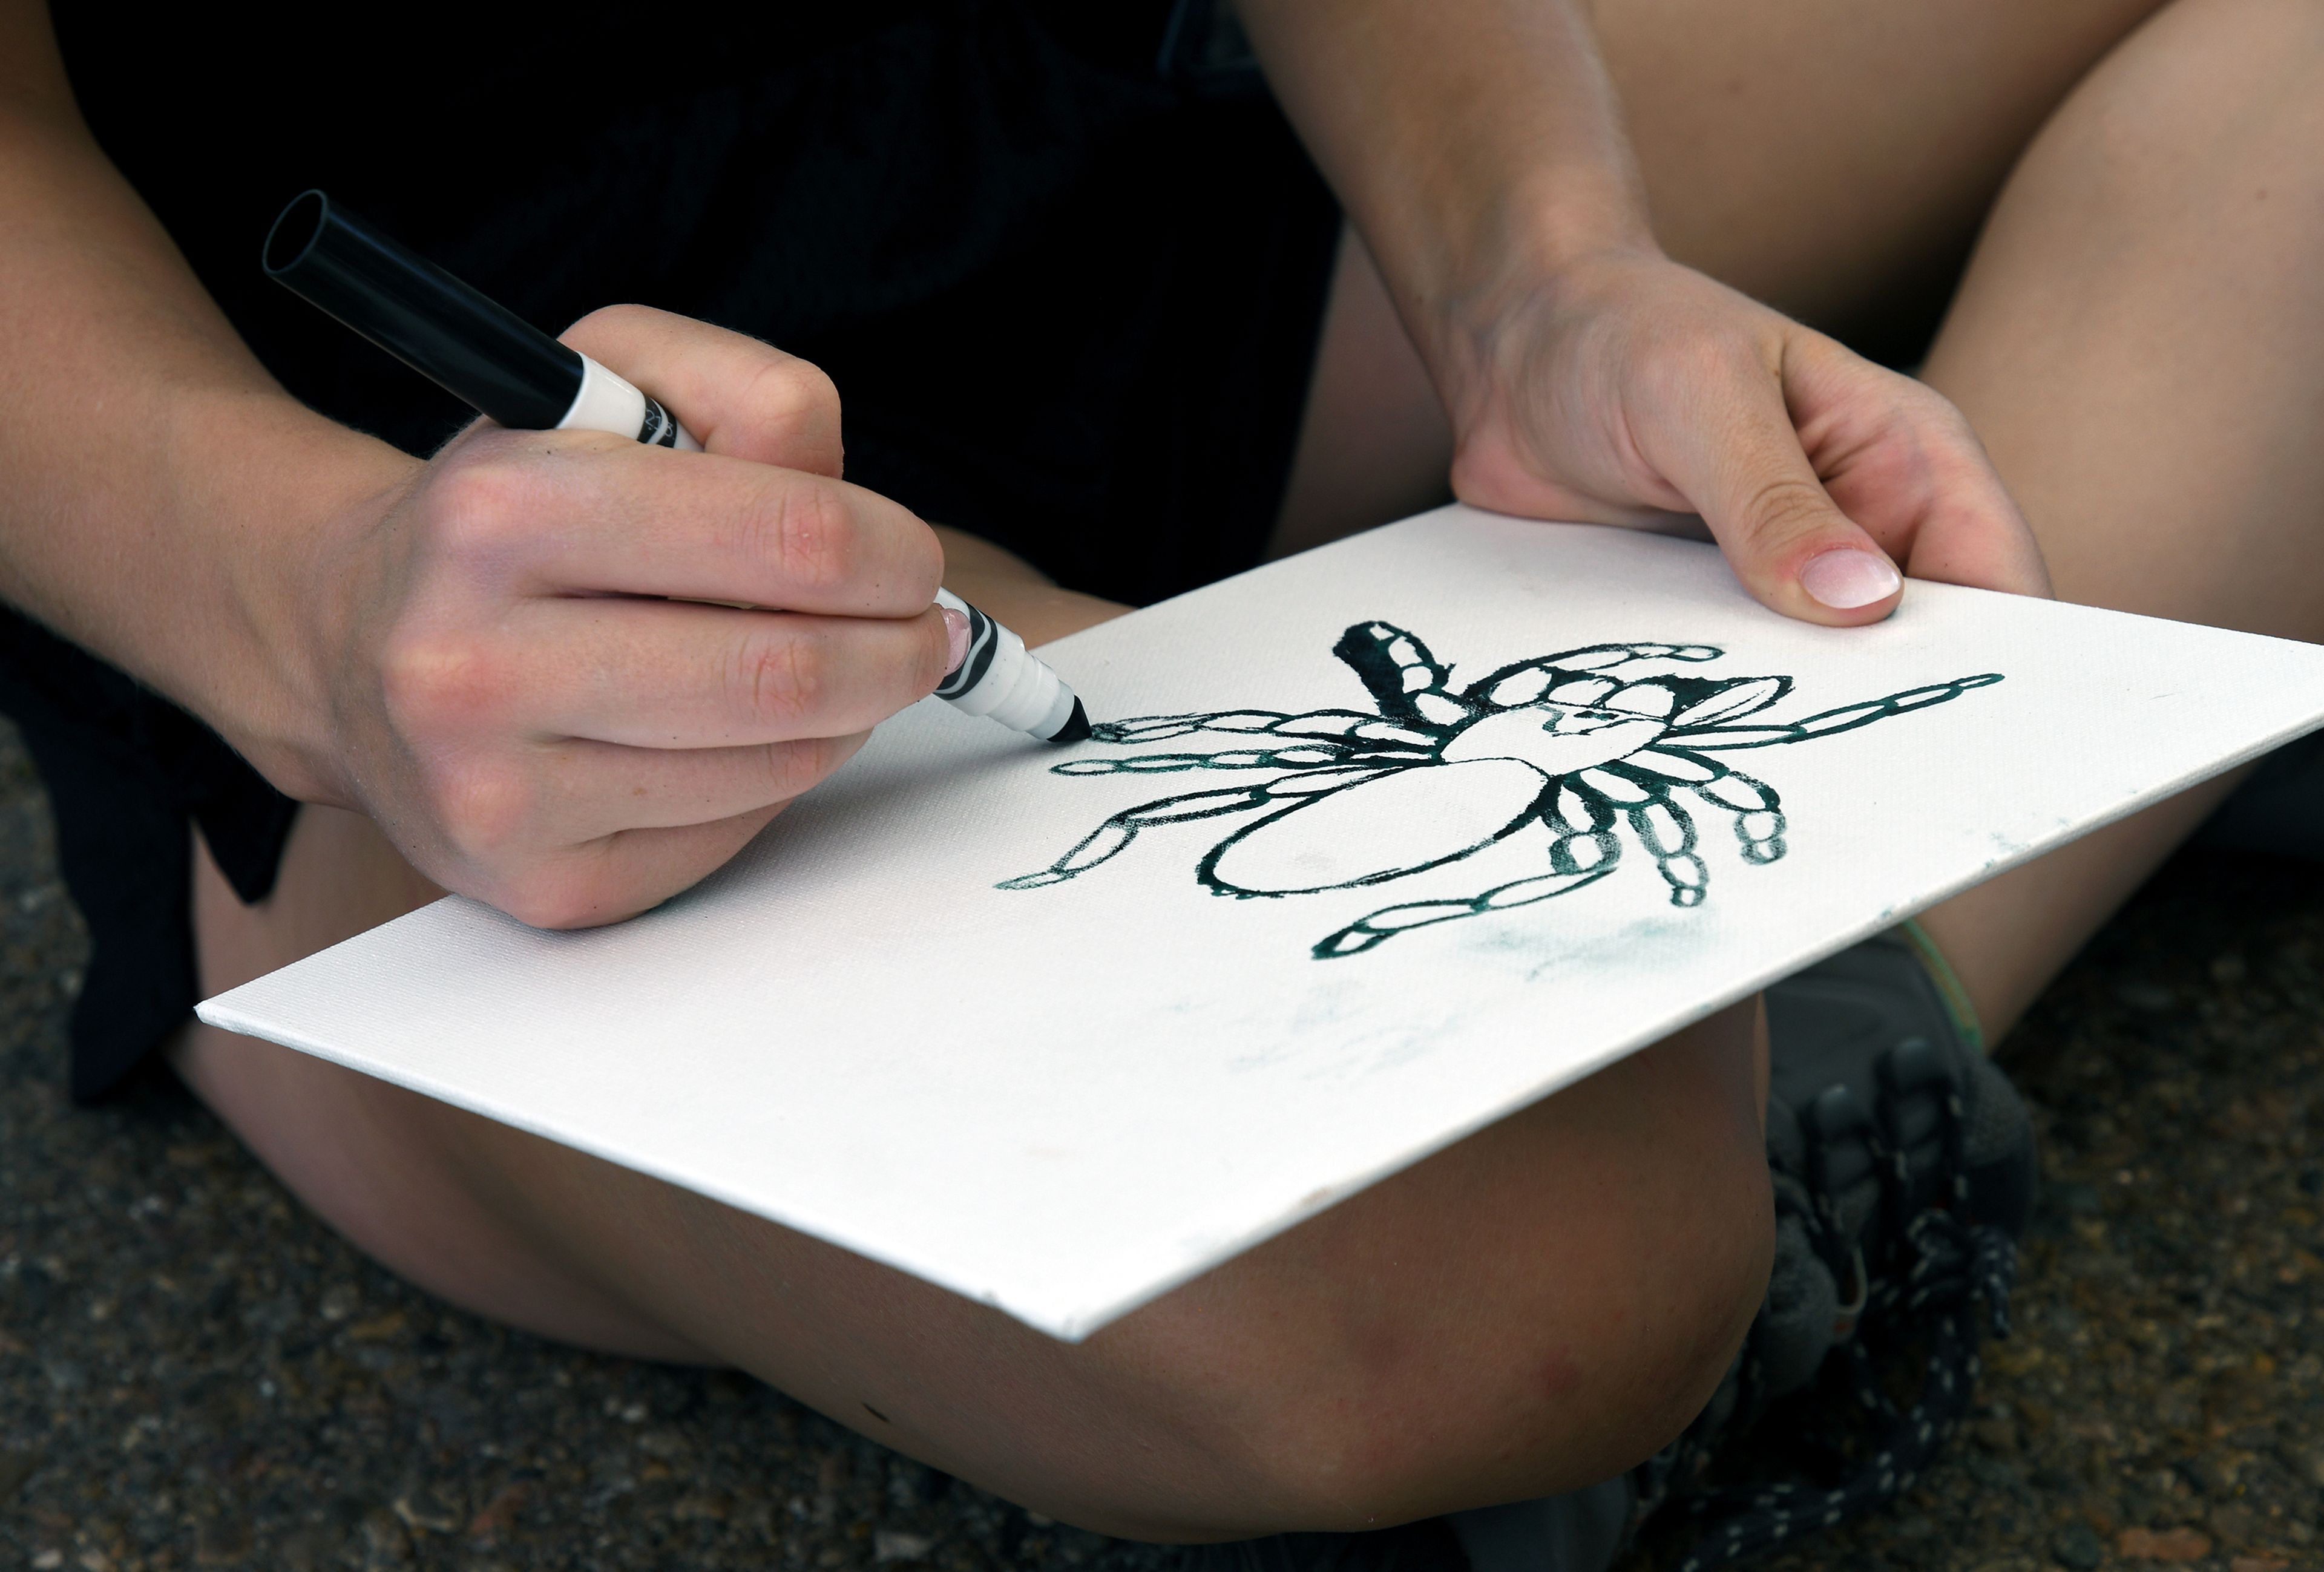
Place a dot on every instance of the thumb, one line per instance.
(1739, 463)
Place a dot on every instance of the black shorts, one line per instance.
(1070, 298)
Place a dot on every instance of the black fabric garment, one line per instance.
(1069, 301)
(125, 773)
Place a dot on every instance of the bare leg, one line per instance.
(2141, 344)
(1527, 1313)
(1828, 156)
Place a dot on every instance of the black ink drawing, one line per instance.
(1566, 740)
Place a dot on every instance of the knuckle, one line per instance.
(1781, 507)
(485, 807)
(793, 767)
(483, 509)
(807, 532)
(442, 682)
(1944, 418)
(788, 392)
(781, 679)
(924, 564)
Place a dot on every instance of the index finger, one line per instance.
(612, 517)
(1964, 528)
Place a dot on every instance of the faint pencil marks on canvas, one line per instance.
(1584, 742)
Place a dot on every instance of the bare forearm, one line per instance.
(1005, 586)
(158, 477)
(1478, 147)
(1472, 141)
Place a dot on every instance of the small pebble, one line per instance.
(2233, 1523)
(426, 1510)
(497, 1515)
(2077, 1546)
(2161, 1545)
(888, 1545)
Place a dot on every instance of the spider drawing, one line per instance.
(1584, 742)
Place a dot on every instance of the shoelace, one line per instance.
(1941, 1270)
(1956, 1264)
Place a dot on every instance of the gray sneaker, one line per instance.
(1866, 1048)
(1903, 1169)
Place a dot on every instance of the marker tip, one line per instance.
(1076, 727)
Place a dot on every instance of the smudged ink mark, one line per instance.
(1585, 743)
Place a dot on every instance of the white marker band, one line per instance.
(606, 401)
(1001, 678)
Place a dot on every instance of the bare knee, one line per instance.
(396, 1174)
(1533, 1311)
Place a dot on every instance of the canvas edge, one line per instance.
(1074, 1317)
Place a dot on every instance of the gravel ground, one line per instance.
(192, 1373)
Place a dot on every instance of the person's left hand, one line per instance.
(1629, 389)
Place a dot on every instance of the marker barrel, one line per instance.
(424, 317)
(999, 677)
(465, 342)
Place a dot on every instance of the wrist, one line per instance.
(1548, 239)
(272, 535)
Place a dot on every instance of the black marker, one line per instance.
(492, 359)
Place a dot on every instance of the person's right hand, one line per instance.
(511, 670)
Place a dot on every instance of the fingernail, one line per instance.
(956, 637)
(1849, 578)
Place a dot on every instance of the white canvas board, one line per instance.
(1064, 1099)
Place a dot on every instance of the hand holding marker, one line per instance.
(511, 371)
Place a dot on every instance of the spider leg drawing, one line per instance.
(1586, 743)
